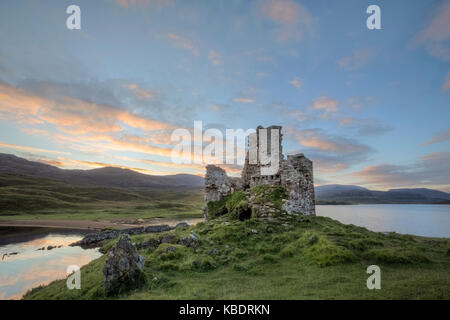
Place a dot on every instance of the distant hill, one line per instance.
(105, 177)
(112, 177)
(350, 194)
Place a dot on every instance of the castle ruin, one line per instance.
(294, 173)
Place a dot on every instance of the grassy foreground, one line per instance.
(294, 257)
(23, 197)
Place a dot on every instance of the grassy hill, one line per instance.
(292, 257)
(24, 197)
(111, 177)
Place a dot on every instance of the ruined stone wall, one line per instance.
(217, 183)
(295, 174)
(297, 179)
(251, 174)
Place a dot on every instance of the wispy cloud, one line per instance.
(87, 127)
(439, 137)
(214, 57)
(138, 91)
(436, 33)
(365, 126)
(330, 153)
(261, 75)
(243, 100)
(356, 103)
(326, 104)
(317, 139)
(298, 115)
(296, 82)
(432, 170)
(215, 107)
(446, 85)
(70, 114)
(82, 125)
(357, 60)
(184, 43)
(292, 19)
(7, 146)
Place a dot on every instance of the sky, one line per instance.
(368, 107)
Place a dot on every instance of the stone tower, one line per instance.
(251, 175)
(294, 174)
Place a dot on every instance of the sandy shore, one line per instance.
(89, 225)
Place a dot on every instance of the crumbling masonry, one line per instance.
(294, 174)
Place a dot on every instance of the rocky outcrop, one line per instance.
(189, 241)
(123, 268)
(94, 239)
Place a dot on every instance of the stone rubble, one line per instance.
(93, 239)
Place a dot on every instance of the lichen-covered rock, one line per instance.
(123, 268)
(168, 238)
(189, 241)
(150, 243)
(217, 183)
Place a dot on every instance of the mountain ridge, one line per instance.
(105, 177)
(351, 194)
(126, 178)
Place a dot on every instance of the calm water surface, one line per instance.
(31, 267)
(418, 219)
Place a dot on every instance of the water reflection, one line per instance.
(418, 219)
(32, 267)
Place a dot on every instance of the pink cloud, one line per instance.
(326, 104)
(436, 34)
(291, 18)
(184, 43)
(358, 59)
(439, 137)
(446, 85)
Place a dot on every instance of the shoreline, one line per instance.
(90, 225)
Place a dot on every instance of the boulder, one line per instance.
(150, 243)
(189, 241)
(123, 268)
(313, 240)
(168, 238)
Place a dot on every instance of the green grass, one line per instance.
(268, 193)
(38, 198)
(295, 257)
(236, 204)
